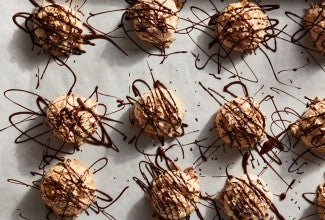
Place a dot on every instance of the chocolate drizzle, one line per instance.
(319, 204)
(240, 134)
(18, 119)
(177, 195)
(157, 111)
(273, 140)
(252, 31)
(314, 20)
(310, 128)
(268, 152)
(240, 209)
(55, 29)
(245, 128)
(223, 57)
(162, 51)
(153, 15)
(228, 68)
(68, 188)
(102, 201)
(159, 96)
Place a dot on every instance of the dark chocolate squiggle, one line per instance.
(101, 137)
(178, 186)
(98, 206)
(241, 206)
(55, 29)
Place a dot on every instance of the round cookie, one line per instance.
(240, 123)
(68, 188)
(310, 127)
(174, 194)
(57, 30)
(242, 26)
(246, 199)
(155, 21)
(159, 112)
(72, 118)
(315, 23)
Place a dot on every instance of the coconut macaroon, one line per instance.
(320, 206)
(68, 188)
(246, 198)
(72, 118)
(57, 30)
(315, 23)
(174, 194)
(242, 26)
(240, 123)
(310, 127)
(155, 21)
(159, 112)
